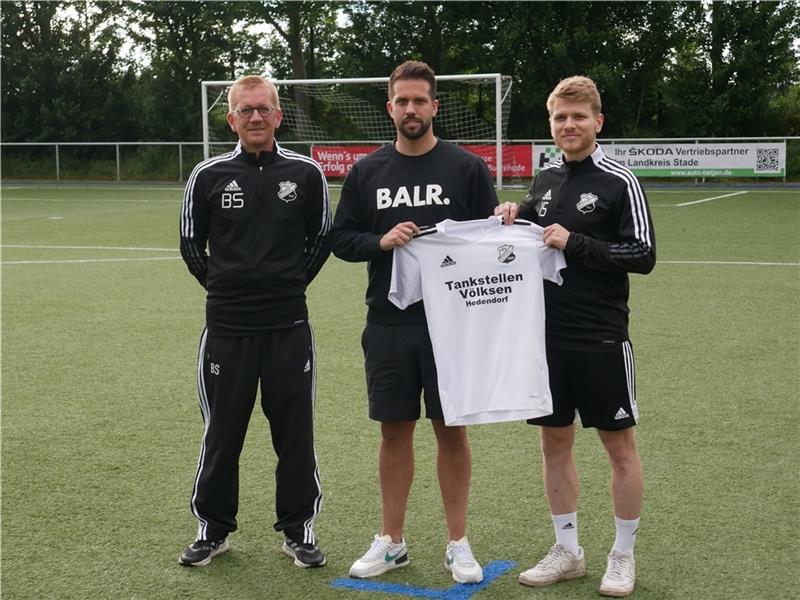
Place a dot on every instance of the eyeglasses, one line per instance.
(248, 111)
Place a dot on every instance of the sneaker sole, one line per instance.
(477, 578)
(223, 548)
(543, 582)
(290, 553)
(383, 568)
(615, 593)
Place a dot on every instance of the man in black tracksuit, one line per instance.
(595, 210)
(264, 214)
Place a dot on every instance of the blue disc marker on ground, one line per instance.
(459, 591)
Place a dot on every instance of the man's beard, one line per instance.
(424, 126)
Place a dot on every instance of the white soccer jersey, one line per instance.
(482, 284)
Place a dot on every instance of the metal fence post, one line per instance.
(58, 167)
(180, 162)
(116, 146)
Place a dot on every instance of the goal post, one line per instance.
(473, 109)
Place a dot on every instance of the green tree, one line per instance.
(62, 75)
(664, 68)
(183, 43)
(379, 35)
(621, 45)
(307, 30)
(730, 68)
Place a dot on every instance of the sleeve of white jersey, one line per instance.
(551, 261)
(406, 285)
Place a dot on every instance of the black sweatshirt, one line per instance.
(386, 188)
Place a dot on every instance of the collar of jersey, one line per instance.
(264, 158)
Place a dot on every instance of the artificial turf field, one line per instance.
(101, 425)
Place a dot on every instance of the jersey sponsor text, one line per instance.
(478, 287)
(478, 281)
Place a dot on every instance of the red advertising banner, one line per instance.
(517, 159)
(336, 161)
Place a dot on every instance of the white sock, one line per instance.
(626, 535)
(566, 528)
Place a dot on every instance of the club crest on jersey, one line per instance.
(586, 203)
(505, 253)
(287, 191)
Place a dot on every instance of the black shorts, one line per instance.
(398, 360)
(600, 387)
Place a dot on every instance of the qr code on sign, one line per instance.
(767, 160)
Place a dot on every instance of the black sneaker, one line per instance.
(304, 555)
(200, 553)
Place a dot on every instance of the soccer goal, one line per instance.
(473, 110)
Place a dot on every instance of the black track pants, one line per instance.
(228, 374)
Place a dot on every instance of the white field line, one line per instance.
(86, 247)
(104, 200)
(713, 198)
(85, 260)
(727, 262)
(684, 191)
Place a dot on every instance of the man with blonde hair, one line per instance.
(595, 210)
(262, 212)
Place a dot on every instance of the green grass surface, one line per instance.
(101, 426)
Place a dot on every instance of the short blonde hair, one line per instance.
(577, 88)
(248, 82)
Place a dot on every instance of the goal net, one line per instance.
(473, 110)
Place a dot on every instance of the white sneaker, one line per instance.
(558, 565)
(620, 576)
(382, 556)
(458, 559)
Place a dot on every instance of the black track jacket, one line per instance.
(265, 220)
(604, 207)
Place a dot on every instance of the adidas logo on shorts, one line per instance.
(621, 414)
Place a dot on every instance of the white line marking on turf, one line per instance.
(712, 198)
(103, 200)
(85, 247)
(84, 260)
(728, 262)
(684, 191)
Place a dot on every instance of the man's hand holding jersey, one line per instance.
(507, 210)
(554, 235)
(399, 235)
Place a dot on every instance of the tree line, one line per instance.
(131, 70)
